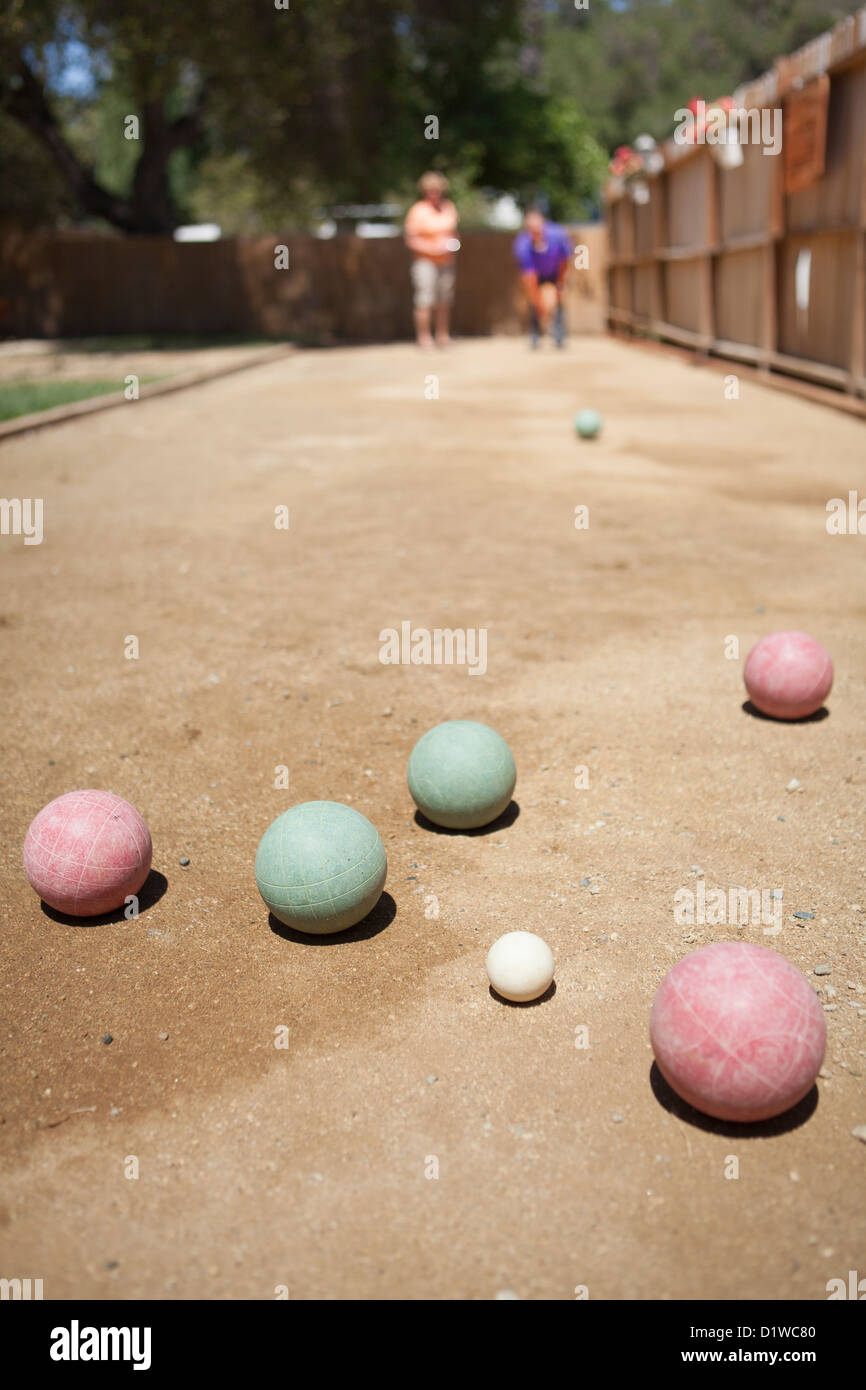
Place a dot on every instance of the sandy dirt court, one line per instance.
(419, 1138)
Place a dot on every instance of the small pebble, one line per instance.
(617, 1118)
(822, 970)
(793, 785)
(804, 916)
(107, 1038)
(163, 1037)
(859, 1132)
(183, 860)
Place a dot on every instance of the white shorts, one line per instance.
(432, 283)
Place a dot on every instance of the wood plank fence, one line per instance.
(760, 264)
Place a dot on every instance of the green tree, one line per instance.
(630, 65)
(330, 98)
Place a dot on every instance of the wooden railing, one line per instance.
(748, 263)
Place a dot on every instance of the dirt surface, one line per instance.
(311, 1166)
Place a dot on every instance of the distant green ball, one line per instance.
(321, 867)
(461, 774)
(588, 423)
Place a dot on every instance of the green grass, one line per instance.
(27, 397)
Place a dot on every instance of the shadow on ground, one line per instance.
(760, 1129)
(748, 708)
(508, 817)
(381, 917)
(524, 1003)
(152, 890)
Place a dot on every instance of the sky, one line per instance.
(71, 69)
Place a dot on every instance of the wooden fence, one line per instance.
(76, 285)
(765, 263)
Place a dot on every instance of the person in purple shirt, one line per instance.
(543, 252)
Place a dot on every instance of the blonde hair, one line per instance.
(431, 180)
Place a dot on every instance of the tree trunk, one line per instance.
(150, 208)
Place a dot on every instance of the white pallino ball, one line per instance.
(520, 966)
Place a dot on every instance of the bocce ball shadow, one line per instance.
(523, 1003)
(508, 817)
(748, 708)
(151, 891)
(760, 1129)
(377, 920)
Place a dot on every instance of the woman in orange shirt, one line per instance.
(429, 230)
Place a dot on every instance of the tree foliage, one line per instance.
(332, 96)
(253, 114)
(631, 66)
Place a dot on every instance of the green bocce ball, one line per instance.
(461, 774)
(321, 867)
(588, 423)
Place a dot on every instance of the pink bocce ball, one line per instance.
(788, 675)
(738, 1032)
(86, 852)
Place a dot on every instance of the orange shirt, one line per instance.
(427, 228)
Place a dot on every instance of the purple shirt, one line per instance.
(545, 262)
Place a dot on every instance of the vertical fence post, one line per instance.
(857, 382)
(630, 221)
(707, 314)
(659, 241)
(770, 266)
